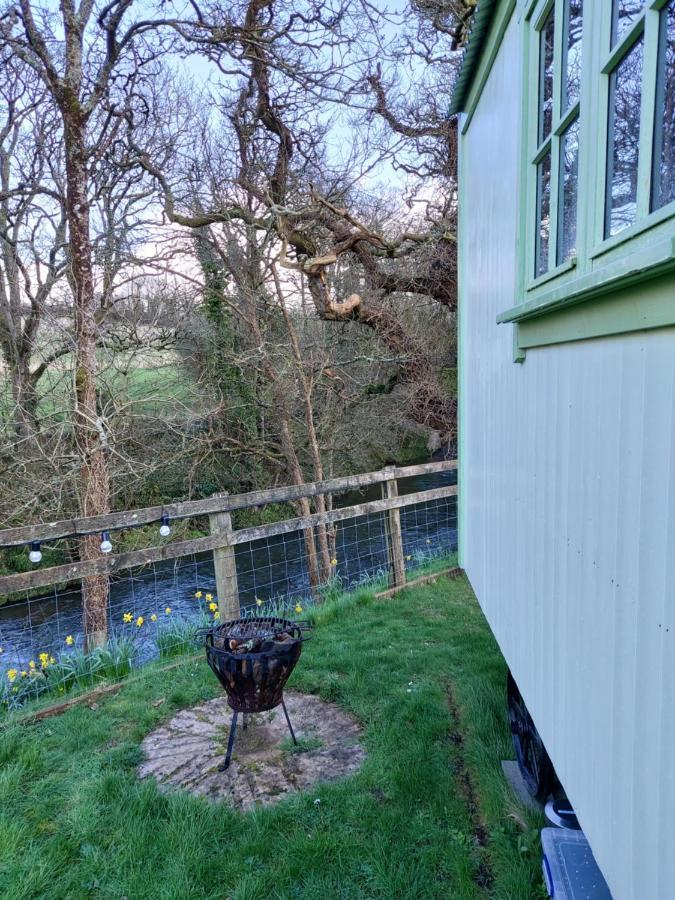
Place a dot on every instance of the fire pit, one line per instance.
(253, 659)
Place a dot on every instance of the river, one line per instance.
(269, 569)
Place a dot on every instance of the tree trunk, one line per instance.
(312, 438)
(88, 427)
(24, 398)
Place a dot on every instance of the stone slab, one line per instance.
(186, 751)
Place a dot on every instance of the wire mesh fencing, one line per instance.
(157, 611)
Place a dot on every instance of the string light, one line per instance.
(106, 544)
(165, 528)
(35, 554)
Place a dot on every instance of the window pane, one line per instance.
(572, 52)
(543, 214)
(624, 133)
(663, 188)
(624, 13)
(546, 77)
(567, 206)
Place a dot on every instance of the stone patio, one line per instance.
(186, 751)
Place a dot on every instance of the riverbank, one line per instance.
(428, 816)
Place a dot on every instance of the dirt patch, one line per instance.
(483, 875)
(186, 751)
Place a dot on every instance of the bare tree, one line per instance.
(85, 59)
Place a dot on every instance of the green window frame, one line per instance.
(597, 194)
(555, 157)
(639, 35)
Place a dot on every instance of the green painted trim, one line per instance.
(638, 308)
(649, 221)
(552, 273)
(647, 262)
(518, 349)
(473, 52)
(501, 19)
(461, 361)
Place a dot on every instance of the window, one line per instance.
(625, 86)
(663, 163)
(641, 70)
(556, 157)
(598, 185)
(626, 148)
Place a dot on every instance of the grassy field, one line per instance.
(428, 816)
(165, 388)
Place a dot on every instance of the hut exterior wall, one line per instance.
(567, 493)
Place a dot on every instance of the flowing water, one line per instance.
(269, 569)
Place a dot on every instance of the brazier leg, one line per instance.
(230, 743)
(288, 722)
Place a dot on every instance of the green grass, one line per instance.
(428, 816)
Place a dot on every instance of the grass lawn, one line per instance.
(428, 816)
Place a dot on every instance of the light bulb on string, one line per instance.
(106, 543)
(165, 528)
(35, 554)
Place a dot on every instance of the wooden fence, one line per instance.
(223, 537)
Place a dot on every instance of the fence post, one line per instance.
(395, 537)
(225, 566)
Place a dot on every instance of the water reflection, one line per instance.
(266, 569)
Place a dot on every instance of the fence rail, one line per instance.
(163, 593)
(220, 503)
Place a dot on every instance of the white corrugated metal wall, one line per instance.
(568, 494)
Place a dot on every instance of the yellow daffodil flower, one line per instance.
(168, 611)
(11, 675)
(258, 601)
(198, 595)
(216, 616)
(153, 617)
(298, 608)
(51, 660)
(333, 562)
(213, 607)
(139, 621)
(127, 617)
(43, 657)
(31, 664)
(24, 674)
(208, 598)
(70, 640)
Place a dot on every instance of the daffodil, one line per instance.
(31, 664)
(43, 657)
(168, 611)
(139, 621)
(333, 562)
(213, 607)
(127, 617)
(70, 640)
(216, 616)
(153, 617)
(24, 674)
(11, 675)
(298, 608)
(198, 595)
(258, 601)
(408, 557)
(208, 598)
